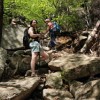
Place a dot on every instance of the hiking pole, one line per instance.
(39, 53)
(40, 44)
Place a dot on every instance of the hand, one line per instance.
(38, 35)
(41, 36)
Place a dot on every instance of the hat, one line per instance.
(47, 20)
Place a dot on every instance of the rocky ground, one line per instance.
(71, 74)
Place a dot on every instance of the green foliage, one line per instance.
(68, 13)
(63, 11)
(31, 9)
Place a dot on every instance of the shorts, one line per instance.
(35, 46)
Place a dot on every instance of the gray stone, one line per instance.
(18, 89)
(88, 90)
(74, 86)
(75, 66)
(53, 94)
(3, 57)
(12, 37)
(54, 80)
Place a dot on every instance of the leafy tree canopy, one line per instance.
(63, 11)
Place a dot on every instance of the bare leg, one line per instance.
(44, 55)
(33, 61)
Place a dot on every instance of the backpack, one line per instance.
(26, 39)
(56, 27)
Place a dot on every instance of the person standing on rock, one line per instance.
(36, 48)
(53, 29)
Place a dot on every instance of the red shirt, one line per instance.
(50, 24)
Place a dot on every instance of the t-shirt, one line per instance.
(50, 24)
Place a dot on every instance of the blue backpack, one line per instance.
(56, 27)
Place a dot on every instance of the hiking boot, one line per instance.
(28, 73)
(34, 75)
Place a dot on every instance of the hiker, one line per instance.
(52, 32)
(36, 48)
(14, 22)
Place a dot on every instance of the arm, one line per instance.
(32, 35)
(47, 30)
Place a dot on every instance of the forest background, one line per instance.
(72, 15)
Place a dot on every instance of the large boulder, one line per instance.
(76, 66)
(18, 89)
(12, 37)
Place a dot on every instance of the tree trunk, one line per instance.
(1, 19)
(87, 45)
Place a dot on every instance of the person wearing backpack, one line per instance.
(53, 29)
(35, 46)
